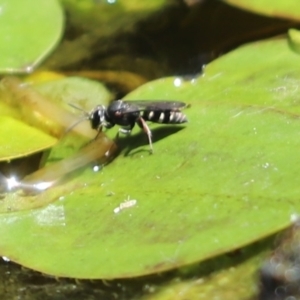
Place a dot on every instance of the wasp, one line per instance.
(128, 113)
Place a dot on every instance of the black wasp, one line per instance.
(128, 113)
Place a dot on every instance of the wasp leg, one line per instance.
(143, 125)
(99, 129)
(125, 131)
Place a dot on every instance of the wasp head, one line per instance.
(97, 117)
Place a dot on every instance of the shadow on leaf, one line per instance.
(128, 143)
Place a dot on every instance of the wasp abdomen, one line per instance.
(165, 117)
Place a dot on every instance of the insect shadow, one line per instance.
(127, 144)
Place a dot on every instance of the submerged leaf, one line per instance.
(37, 110)
(78, 91)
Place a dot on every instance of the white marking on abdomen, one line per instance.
(150, 116)
(161, 118)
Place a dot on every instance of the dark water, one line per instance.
(21, 283)
(177, 40)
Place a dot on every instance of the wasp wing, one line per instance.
(153, 105)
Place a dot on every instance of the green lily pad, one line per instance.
(224, 180)
(29, 31)
(288, 9)
(33, 140)
(294, 39)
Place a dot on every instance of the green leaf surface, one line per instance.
(33, 140)
(29, 30)
(223, 180)
(294, 39)
(288, 9)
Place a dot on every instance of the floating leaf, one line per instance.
(29, 31)
(224, 180)
(288, 9)
(33, 140)
(294, 39)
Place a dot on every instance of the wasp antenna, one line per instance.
(75, 124)
(79, 108)
(86, 117)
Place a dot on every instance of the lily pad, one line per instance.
(294, 39)
(29, 31)
(288, 9)
(224, 180)
(33, 140)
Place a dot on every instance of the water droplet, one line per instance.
(96, 168)
(177, 81)
(5, 258)
(266, 165)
